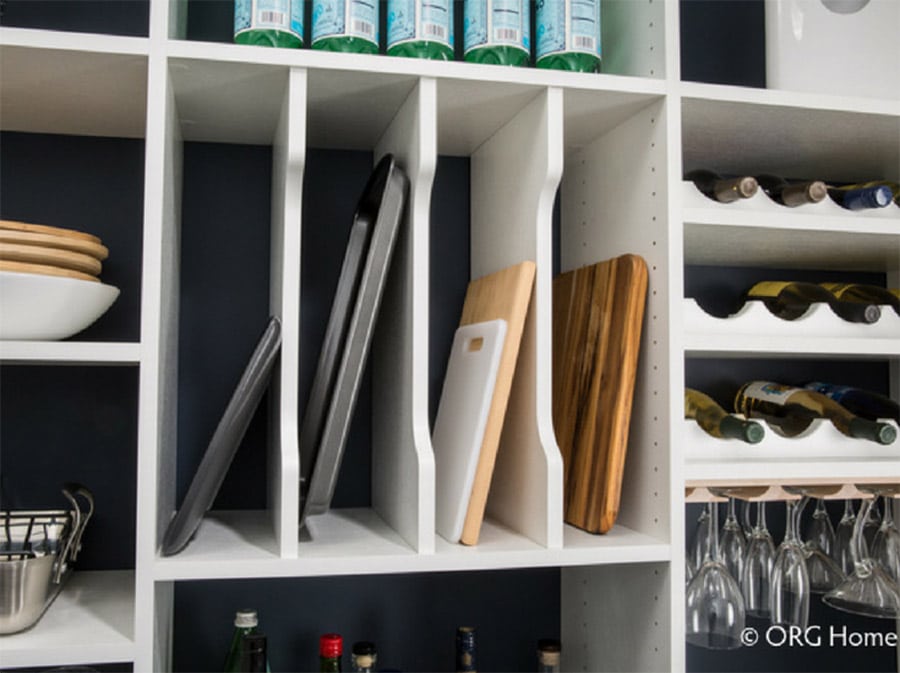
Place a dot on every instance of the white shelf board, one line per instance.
(90, 622)
(69, 352)
(62, 83)
(358, 541)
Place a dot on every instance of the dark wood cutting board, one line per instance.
(598, 313)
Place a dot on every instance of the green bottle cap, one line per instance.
(737, 428)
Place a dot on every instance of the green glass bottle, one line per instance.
(245, 624)
(568, 35)
(269, 23)
(345, 25)
(331, 648)
(420, 29)
(497, 32)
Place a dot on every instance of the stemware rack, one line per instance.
(776, 490)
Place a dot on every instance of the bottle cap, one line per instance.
(246, 619)
(817, 191)
(364, 654)
(363, 647)
(747, 187)
(331, 645)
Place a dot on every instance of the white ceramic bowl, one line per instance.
(38, 307)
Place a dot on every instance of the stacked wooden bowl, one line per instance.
(51, 251)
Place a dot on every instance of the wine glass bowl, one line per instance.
(790, 589)
(820, 531)
(758, 562)
(843, 537)
(732, 546)
(886, 547)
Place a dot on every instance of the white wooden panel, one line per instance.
(402, 456)
(634, 37)
(288, 159)
(515, 175)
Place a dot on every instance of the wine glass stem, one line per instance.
(713, 546)
(857, 553)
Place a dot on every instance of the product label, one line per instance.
(567, 26)
(345, 18)
(415, 20)
(269, 15)
(769, 288)
(769, 392)
(832, 391)
(493, 23)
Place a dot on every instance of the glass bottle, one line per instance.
(254, 656)
(792, 194)
(791, 299)
(345, 25)
(465, 649)
(722, 189)
(331, 648)
(867, 294)
(716, 421)
(269, 23)
(791, 411)
(497, 32)
(364, 657)
(549, 653)
(420, 29)
(245, 624)
(861, 196)
(861, 402)
(567, 35)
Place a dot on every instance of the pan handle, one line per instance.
(81, 518)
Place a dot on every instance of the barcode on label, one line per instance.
(506, 35)
(583, 42)
(362, 28)
(435, 30)
(268, 16)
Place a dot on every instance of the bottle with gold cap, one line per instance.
(792, 193)
(363, 657)
(549, 653)
(723, 189)
(716, 421)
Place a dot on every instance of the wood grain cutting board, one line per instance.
(84, 246)
(504, 294)
(44, 270)
(15, 225)
(36, 254)
(597, 319)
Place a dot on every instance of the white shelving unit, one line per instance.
(611, 147)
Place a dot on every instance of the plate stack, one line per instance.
(50, 284)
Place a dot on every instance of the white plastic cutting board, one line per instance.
(461, 419)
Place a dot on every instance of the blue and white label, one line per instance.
(345, 18)
(494, 23)
(567, 26)
(284, 15)
(420, 20)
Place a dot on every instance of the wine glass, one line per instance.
(732, 546)
(868, 590)
(872, 524)
(820, 532)
(698, 548)
(714, 615)
(886, 548)
(789, 594)
(745, 522)
(843, 537)
(823, 571)
(758, 563)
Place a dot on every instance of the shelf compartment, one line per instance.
(69, 352)
(90, 622)
(820, 455)
(754, 330)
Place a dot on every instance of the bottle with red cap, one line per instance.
(331, 648)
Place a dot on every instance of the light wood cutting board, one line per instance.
(504, 294)
(15, 225)
(72, 243)
(597, 319)
(44, 270)
(36, 254)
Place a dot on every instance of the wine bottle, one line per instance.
(791, 410)
(867, 294)
(331, 648)
(860, 197)
(549, 651)
(724, 190)
(465, 649)
(893, 186)
(792, 194)
(254, 656)
(718, 422)
(245, 624)
(861, 402)
(364, 656)
(790, 300)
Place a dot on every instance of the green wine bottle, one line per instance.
(420, 29)
(331, 648)
(716, 422)
(497, 32)
(568, 35)
(269, 23)
(245, 624)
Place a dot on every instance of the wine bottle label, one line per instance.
(567, 26)
(767, 391)
(416, 20)
(769, 288)
(493, 23)
(345, 18)
(830, 390)
(284, 15)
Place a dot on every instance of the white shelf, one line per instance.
(69, 352)
(90, 622)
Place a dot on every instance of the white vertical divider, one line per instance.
(515, 175)
(402, 456)
(158, 388)
(288, 160)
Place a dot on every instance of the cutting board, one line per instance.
(51, 241)
(504, 294)
(15, 225)
(35, 254)
(461, 419)
(597, 319)
(44, 270)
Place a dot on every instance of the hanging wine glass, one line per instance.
(868, 590)
(789, 597)
(873, 523)
(843, 537)
(820, 532)
(886, 547)
(714, 615)
(823, 571)
(745, 521)
(758, 563)
(732, 546)
(697, 550)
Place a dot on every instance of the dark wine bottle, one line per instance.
(860, 196)
(465, 649)
(254, 656)
(331, 648)
(866, 294)
(865, 403)
(722, 189)
(791, 410)
(792, 194)
(790, 299)
(718, 422)
(364, 657)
